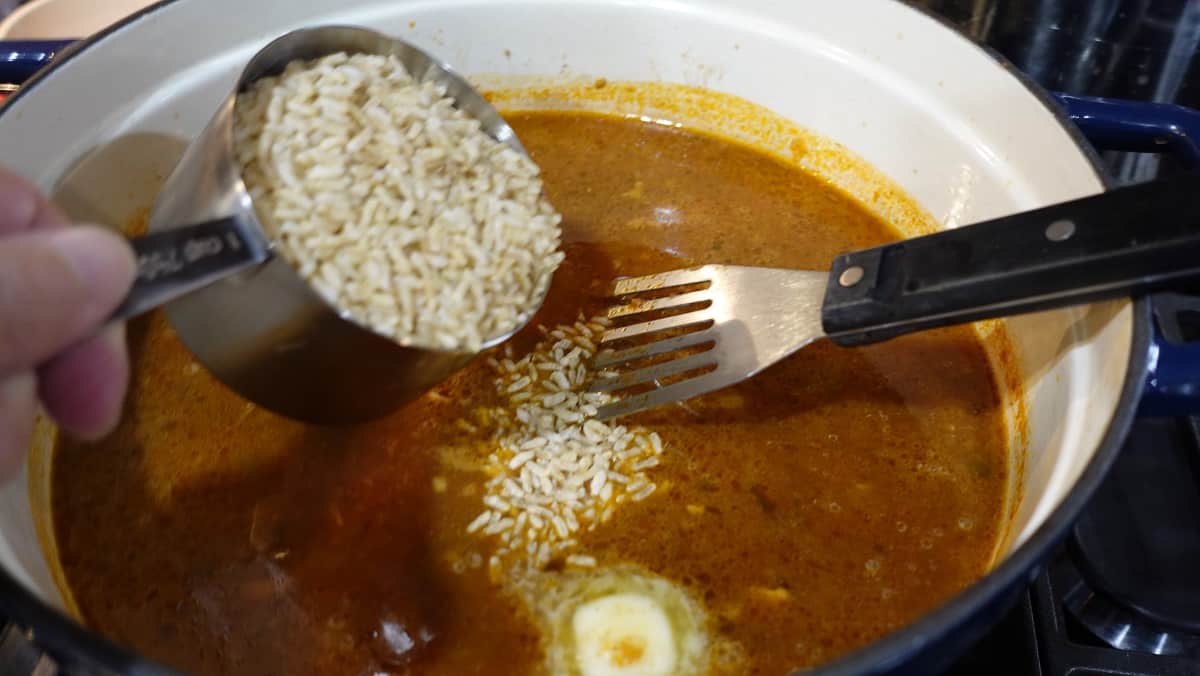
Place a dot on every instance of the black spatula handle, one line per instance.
(1120, 242)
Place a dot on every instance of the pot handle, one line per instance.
(1136, 126)
(20, 59)
(1172, 385)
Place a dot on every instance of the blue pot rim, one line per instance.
(70, 643)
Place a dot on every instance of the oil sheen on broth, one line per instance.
(810, 510)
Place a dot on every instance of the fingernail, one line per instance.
(100, 258)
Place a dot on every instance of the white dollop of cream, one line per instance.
(617, 621)
(623, 635)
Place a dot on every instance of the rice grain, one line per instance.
(556, 468)
(394, 205)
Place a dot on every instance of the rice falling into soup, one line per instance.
(393, 204)
(557, 470)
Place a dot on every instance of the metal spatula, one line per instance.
(679, 334)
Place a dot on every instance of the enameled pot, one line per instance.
(940, 117)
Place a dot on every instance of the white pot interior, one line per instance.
(41, 19)
(933, 113)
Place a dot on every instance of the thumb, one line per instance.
(57, 288)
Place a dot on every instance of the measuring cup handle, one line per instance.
(175, 262)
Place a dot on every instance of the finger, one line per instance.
(57, 288)
(24, 208)
(18, 404)
(49, 216)
(83, 388)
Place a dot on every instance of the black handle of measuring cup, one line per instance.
(1172, 386)
(1117, 243)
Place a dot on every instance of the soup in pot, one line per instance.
(768, 526)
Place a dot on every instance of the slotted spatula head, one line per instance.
(679, 334)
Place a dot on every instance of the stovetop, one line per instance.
(1129, 575)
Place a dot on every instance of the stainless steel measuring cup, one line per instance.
(244, 312)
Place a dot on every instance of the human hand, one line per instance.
(58, 286)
